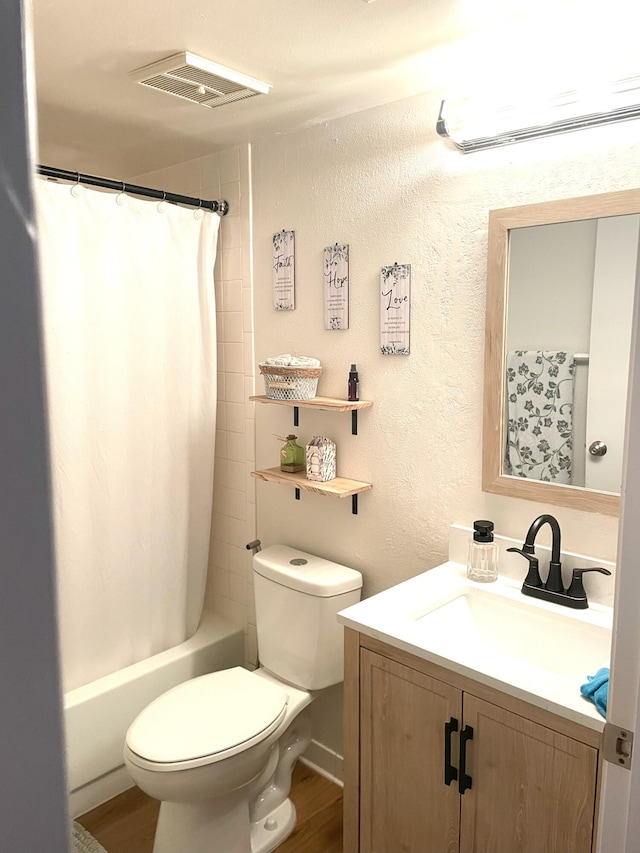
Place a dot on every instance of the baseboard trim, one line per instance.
(324, 761)
(318, 757)
(99, 791)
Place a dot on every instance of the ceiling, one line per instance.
(323, 58)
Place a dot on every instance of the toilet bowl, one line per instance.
(218, 750)
(212, 746)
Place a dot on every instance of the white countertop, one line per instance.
(530, 649)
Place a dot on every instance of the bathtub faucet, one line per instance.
(254, 546)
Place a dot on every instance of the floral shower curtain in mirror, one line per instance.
(540, 415)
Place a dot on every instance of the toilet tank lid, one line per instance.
(305, 572)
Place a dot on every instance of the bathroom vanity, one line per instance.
(464, 726)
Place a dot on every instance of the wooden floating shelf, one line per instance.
(337, 488)
(326, 404)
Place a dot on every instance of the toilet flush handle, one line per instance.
(254, 546)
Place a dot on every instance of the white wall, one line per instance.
(382, 181)
(227, 175)
(551, 286)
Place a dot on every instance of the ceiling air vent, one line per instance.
(199, 80)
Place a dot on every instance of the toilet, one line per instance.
(218, 751)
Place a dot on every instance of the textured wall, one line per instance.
(382, 181)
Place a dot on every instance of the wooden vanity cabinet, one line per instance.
(532, 775)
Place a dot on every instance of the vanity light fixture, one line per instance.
(475, 126)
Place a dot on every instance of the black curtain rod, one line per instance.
(221, 206)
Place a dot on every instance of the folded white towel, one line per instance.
(288, 360)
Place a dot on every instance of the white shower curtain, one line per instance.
(129, 323)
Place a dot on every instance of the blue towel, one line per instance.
(597, 689)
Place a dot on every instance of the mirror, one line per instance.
(560, 284)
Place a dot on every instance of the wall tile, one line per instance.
(221, 444)
(235, 388)
(232, 610)
(220, 527)
(239, 560)
(236, 503)
(247, 313)
(248, 356)
(235, 417)
(220, 326)
(251, 646)
(231, 264)
(235, 446)
(221, 417)
(237, 588)
(233, 327)
(249, 391)
(250, 441)
(221, 472)
(234, 360)
(219, 554)
(221, 499)
(210, 177)
(240, 533)
(233, 296)
(250, 482)
(231, 192)
(237, 475)
(219, 585)
(229, 165)
(231, 231)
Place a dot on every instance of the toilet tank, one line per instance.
(298, 596)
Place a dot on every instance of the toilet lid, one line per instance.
(213, 716)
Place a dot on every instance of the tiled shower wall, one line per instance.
(227, 175)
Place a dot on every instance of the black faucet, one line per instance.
(553, 589)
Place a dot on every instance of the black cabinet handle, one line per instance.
(450, 772)
(464, 782)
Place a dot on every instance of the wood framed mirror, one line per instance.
(518, 241)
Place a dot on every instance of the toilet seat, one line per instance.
(205, 720)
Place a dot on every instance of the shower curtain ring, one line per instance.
(121, 198)
(199, 212)
(163, 205)
(77, 189)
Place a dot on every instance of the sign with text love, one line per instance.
(336, 286)
(395, 309)
(284, 291)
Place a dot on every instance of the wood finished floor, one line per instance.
(127, 823)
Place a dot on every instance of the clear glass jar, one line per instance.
(482, 562)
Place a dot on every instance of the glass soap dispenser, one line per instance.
(482, 564)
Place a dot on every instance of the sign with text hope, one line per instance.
(336, 286)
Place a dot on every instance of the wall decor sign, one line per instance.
(336, 286)
(395, 309)
(284, 277)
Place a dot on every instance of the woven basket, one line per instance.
(290, 383)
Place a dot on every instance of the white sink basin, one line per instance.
(534, 650)
(490, 628)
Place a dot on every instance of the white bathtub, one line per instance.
(98, 714)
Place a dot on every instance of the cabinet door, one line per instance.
(405, 806)
(533, 790)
